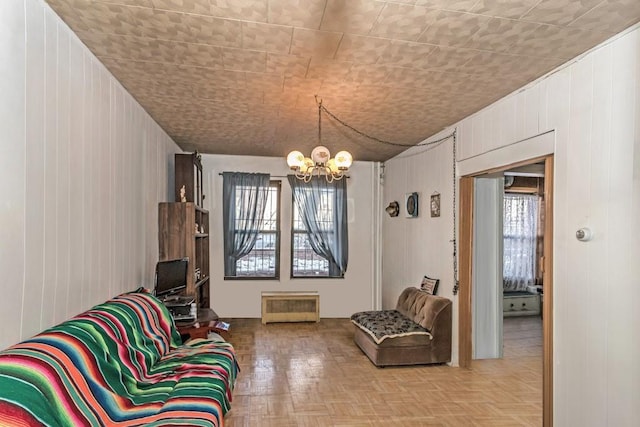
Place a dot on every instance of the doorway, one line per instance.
(467, 220)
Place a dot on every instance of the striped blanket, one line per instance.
(119, 364)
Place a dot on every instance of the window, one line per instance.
(520, 234)
(304, 261)
(319, 234)
(263, 261)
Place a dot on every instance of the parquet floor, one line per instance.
(312, 374)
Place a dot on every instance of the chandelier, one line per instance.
(320, 163)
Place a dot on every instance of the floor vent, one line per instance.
(290, 307)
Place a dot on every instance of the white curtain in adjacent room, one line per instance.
(520, 233)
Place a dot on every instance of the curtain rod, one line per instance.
(283, 176)
(273, 176)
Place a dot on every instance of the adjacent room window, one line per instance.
(319, 236)
(251, 216)
(520, 238)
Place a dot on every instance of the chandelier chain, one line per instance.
(319, 122)
(373, 138)
(321, 108)
(456, 282)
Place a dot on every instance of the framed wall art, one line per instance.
(435, 205)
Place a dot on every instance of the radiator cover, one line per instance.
(288, 306)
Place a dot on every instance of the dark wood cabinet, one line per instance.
(188, 178)
(183, 231)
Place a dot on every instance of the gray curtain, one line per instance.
(328, 237)
(244, 198)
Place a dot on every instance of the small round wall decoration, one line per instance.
(412, 205)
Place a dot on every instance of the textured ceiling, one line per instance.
(239, 76)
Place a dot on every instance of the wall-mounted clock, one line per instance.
(412, 204)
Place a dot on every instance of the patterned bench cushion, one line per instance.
(384, 324)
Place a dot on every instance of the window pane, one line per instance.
(520, 234)
(324, 214)
(307, 263)
(263, 259)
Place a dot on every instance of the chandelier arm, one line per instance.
(328, 174)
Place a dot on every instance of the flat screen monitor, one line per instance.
(171, 276)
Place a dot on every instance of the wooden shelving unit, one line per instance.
(183, 231)
(188, 178)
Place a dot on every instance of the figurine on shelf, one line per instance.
(197, 228)
(183, 194)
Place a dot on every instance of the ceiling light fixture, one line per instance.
(320, 163)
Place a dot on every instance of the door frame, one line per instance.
(465, 277)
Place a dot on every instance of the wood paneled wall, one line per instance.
(422, 246)
(593, 108)
(82, 169)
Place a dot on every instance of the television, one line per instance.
(171, 277)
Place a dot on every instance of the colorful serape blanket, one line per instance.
(119, 364)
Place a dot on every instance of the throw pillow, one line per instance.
(429, 285)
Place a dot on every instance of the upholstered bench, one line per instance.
(417, 332)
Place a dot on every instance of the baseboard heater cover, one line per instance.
(286, 306)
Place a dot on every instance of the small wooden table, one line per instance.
(200, 328)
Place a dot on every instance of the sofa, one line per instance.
(417, 332)
(120, 363)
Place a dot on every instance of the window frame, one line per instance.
(293, 233)
(514, 237)
(277, 184)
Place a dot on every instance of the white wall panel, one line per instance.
(593, 109)
(480, 140)
(634, 230)
(415, 247)
(35, 172)
(508, 119)
(77, 183)
(521, 117)
(50, 169)
(577, 176)
(63, 214)
(622, 334)
(465, 130)
(87, 177)
(598, 135)
(12, 166)
(531, 111)
(543, 99)
(75, 225)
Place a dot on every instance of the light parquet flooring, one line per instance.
(312, 374)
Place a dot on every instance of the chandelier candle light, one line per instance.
(320, 163)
